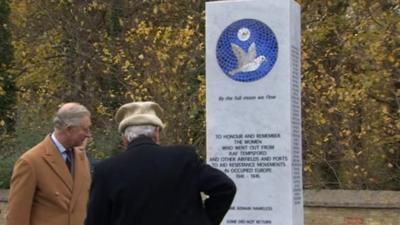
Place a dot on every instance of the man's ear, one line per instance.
(125, 141)
(157, 135)
(70, 129)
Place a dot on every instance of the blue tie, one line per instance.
(68, 159)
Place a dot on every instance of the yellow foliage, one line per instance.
(2, 92)
(307, 169)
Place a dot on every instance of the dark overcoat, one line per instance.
(149, 184)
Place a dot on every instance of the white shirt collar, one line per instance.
(59, 146)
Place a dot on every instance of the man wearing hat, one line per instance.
(149, 184)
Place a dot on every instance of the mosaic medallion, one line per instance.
(247, 50)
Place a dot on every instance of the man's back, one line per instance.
(149, 184)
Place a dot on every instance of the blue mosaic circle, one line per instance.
(247, 50)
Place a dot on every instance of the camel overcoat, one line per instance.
(43, 191)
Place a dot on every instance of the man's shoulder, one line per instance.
(35, 152)
(182, 151)
(162, 151)
(104, 164)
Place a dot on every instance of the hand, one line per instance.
(84, 144)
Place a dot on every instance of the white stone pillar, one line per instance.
(254, 107)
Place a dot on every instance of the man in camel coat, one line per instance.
(50, 182)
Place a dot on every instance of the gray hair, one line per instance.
(132, 132)
(69, 115)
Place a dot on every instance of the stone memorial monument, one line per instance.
(254, 107)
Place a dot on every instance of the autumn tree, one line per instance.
(7, 81)
(107, 53)
(350, 94)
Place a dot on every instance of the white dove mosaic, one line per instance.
(247, 50)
